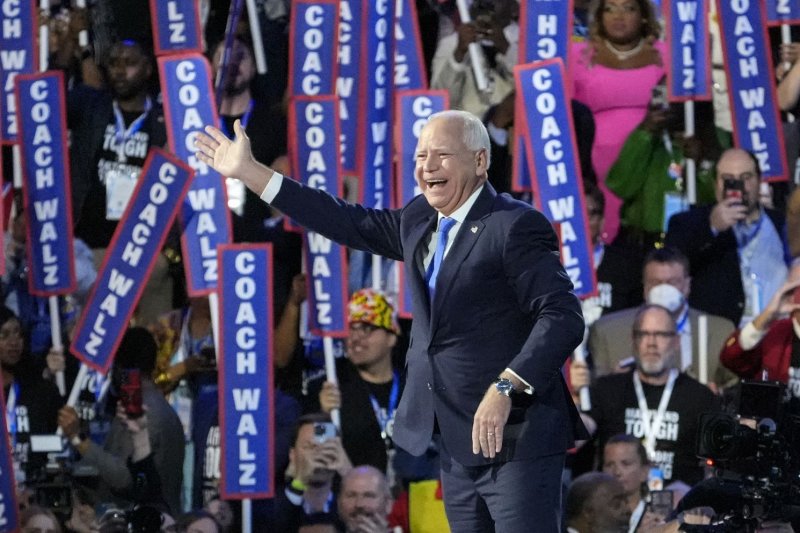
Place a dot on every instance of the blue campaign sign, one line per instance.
(313, 130)
(41, 115)
(783, 12)
(246, 399)
(748, 65)
(412, 111)
(177, 26)
(347, 81)
(131, 255)
(9, 517)
(188, 108)
(312, 47)
(377, 96)
(409, 63)
(689, 63)
(545, 30)
(18, 55)
(545, 33)
(552, 154)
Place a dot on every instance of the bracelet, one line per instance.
(297, 485)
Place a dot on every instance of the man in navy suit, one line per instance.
(494, 320)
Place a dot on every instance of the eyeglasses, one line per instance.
(640, 334)
(362, 328)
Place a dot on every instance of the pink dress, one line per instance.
(618, 100)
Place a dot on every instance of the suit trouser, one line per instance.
(516, 496)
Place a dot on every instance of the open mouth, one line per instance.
(435, 183)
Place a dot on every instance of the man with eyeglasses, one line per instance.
(736, 248)
(369, 387)
(655, 402)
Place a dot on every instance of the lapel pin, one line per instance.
(474, 229)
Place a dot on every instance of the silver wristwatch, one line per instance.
(504, 386)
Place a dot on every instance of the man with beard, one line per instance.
(364, 501)
(31, 402)
(655, 402)
(112, 131)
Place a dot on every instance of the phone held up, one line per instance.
(324, 431)
(131, 392)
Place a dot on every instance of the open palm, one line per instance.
(226, 156)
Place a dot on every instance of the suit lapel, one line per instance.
(467, 236)
(418, 239)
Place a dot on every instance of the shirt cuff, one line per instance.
(273, 188)
(750, 336)
(528, 387)
(455, 65)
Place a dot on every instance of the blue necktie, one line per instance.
(445, 225)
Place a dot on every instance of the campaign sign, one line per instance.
(313, 130)
(9, 519)
(412, 111)
(783, 12)
(312, 47)
(748, 66)
(409, 63)
(18, 55)
(689, 62)
(545, 29)
(545, 33)
(348, 60)
(177, 26)
(130, 257)
(377, 97)
(205, 218)
(41, 115)
(246, 404)
(552, 154)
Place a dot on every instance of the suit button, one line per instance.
(430, 387)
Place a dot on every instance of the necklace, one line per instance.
(622, 55)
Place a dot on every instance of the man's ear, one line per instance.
(482, 162)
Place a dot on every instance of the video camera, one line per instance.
(756, 456)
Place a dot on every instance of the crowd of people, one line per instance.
(690, 301)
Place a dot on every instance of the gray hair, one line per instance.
(474, 133)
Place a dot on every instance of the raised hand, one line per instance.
(230, 158)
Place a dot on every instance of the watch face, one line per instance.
(504, 386)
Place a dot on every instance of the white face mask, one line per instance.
(667, 296)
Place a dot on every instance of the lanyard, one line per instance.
(121, 134)
(245, 119)
(682, 321)
(745, 237)
(11, 412)
(651, 426)
(386, 418)
(636, 516)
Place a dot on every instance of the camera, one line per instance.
(733, 188)
(756, 455)
(131, 392)
(324, 431)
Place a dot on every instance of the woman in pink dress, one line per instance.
(613, 73)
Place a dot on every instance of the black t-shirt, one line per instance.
(115, 160)
(793, 385)
(615, 408)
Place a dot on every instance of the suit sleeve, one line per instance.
(533, 268)
(691, 234)
(373, 230)
(744, 363)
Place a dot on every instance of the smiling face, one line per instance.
(447, 170)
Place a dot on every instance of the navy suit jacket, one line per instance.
(502, 300)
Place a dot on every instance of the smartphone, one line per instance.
(661, 502)
(658, 98)
(324, 431)
(131, 392)
(732, 188)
